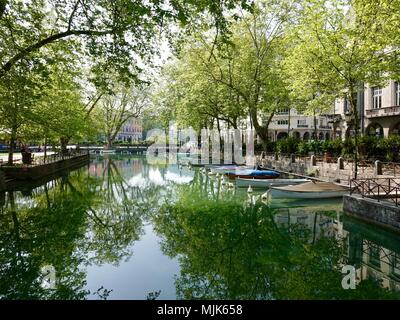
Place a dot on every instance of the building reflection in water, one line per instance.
(373, 251)
(376, 254)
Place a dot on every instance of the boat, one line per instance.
(309, 190)
(266, 183)
(226, 168)
(249, 173)
(197, 164)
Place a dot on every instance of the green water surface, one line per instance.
(123, 229)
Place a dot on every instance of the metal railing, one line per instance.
(51, 158)
(382, 112)
(380, 189)
(57, 157)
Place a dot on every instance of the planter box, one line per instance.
(327, 157)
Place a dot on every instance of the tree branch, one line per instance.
(71, 17)
(53, 38)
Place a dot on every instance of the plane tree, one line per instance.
(235, 79)
(115, 32)
(333, 52)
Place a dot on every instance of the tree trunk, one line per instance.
(219, 134)
(260, 130)
(110, 140)
(45, 149)
(353, 103)
(234, 123)
(109, 143)
(13, 138)
(315, 127)
(64, 143)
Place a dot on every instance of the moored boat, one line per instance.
(226, 168)
(309, 190)
(196, 165)
(251, 173)
(266, 183)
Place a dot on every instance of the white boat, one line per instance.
(227, 168)
(266, 183)
(309, 190)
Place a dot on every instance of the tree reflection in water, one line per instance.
(228, 247)
(231, 250)
(69, 223)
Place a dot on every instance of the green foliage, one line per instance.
(214, 82)
(326, 62)
(287, 145)
(371, 147)
(114, 110)
(303, 148)
(112, 34)
(231, 250)
(316, 146)
(266, 146)
(348, 148)
(333, 147)
(71, 223)
(391, 145)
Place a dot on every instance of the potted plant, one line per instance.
(328, 151)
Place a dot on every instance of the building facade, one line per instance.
(379, 110)
(131, 131)
(290, 122)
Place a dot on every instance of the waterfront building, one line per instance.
(379, 111)
(290, 122)
(131, 131)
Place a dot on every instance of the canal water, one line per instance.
(123, 229)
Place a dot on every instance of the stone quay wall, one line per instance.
(337, 170)
(382, 213)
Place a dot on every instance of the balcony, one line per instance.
(303, 126)
(383, 112)
(334, 118)
(325, 127)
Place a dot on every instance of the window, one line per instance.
(395, 264)
(397, 90)
(302, 123)
(283, 122)
(376, 98)
(346, 107)
(283, 111)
